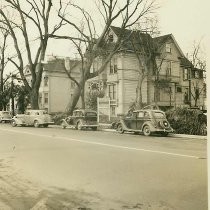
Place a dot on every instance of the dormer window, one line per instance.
(197, 74)
(111, 38)
(168, 47)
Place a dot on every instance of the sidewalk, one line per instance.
(109, 129)
(171, 134)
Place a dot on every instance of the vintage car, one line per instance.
(5, 116)
(34, 118)
(81, 119)
(146, 122)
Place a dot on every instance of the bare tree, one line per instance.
(199, 68)
(31, 22)
(150, 56)
(141, 44)
(91, 44)
(3, 45)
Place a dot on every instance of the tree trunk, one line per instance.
(83, 98)
(74, 100)
(34, 98)
(139, 102)
(4, 107)
(1, 106)
(196, 101)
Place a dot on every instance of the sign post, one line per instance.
(103, 107)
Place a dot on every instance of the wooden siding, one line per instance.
(129, 93)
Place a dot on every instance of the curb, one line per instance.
(171, 135)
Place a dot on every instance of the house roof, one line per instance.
(58, 64)
(162, 39)
(145, 39)
(134, 38)
(184, 62)
(54, 65)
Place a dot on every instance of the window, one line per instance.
(90, 114)
(158, 114)
(40, 98)
(45, 81)
(46, 98)
(186, 74)
(113, 66)
(196, 74)
(141, 114)
(113, 110)
(168, 70)
(178, 89)
(186, 96)
(168, 48)
(112, 91)
(111, 38)
(157, 95)
(94, 66)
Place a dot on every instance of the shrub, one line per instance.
(187, 121)
(57, 117)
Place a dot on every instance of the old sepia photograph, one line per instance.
(103, 104)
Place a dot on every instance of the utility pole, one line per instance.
(189, 79)
(12, 95)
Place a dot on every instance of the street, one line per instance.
(53, 168)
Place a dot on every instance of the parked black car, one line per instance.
(146, 122)
(81, 119)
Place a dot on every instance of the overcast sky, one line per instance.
(185, 19)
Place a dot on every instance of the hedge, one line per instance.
(187, 121)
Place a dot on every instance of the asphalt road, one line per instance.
(52, 168)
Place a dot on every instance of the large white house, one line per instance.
(122, 74)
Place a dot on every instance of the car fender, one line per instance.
(80, 120)
(18, 121)
(40, 121)
(123, 124)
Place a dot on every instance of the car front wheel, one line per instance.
(120, 129)
(36, 124)
(146, 130)
(14, 123)
(63, 125)
(79, 125)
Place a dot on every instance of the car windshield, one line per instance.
(5, 113)
(41, 112)
(159, 114)
(91, 114)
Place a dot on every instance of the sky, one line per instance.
(185, 19)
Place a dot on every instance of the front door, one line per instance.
(130, 121)
(142, 117)
(27, 117)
